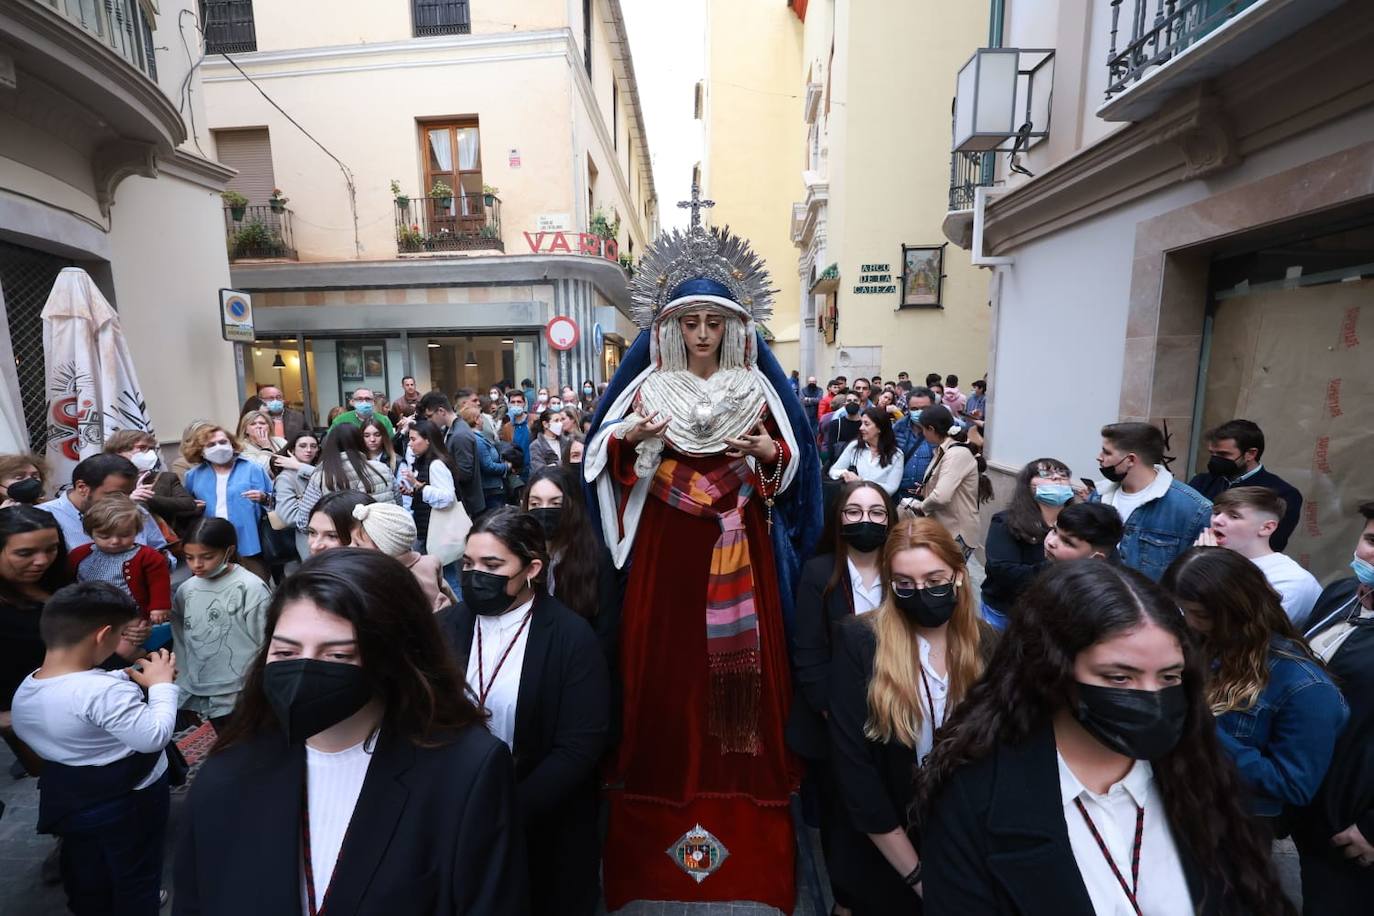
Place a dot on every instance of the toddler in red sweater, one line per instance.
(112, 556)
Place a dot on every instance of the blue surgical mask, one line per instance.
(555, 405)
(517, 413)
(275, 406)
(588, 390)
(1053, 494)
(1364, 571)
(363, 409)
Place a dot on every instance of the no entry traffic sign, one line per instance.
(561, 333)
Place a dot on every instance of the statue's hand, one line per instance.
(652, 427)
(759, 446)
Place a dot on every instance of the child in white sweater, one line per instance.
(104, 786)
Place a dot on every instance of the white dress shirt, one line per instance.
(866, 598)
(503, 690)
(939, 693)
(1163, 888)
(860, 456)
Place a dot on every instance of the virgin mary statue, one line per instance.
(706, 484)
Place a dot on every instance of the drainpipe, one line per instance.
(995, 16)
(980, 202)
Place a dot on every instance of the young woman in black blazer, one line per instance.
(536, 666)
(354, 766)
(895, 675)
(1083, 775)
(826, 594)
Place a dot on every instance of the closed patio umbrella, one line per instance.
(92, 388)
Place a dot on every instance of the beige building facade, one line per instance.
(880, 290)
(1193, 243)
(448, 176)
(100, 168)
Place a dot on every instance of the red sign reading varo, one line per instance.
(562, 243)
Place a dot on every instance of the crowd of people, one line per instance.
(420, 649)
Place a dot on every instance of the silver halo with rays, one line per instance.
(700, 253)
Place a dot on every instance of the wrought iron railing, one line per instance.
(258, 232)
(228, 26)
(968, 171)
(1159, 30)
(441, 17)
(463, 222)
(121, 25)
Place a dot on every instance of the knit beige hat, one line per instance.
(387, 525)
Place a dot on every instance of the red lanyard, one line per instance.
(307, 863)
(1134, 887)
(483, 685)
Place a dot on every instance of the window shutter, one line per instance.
(250, 152)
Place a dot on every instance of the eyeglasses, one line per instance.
(853, 514)
(1045, 473)
(937, 586)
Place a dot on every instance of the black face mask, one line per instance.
(923, 608)
(25, 491)
(1141, 724)
(485, 592)
(309, 695)
(549, 518)
(1224, 467)
(1113, 473)
(851, 409)
(864, 536)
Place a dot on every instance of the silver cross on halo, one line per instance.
(696, 205)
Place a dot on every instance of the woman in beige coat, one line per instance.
(949, 493)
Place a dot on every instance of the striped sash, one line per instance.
(732, 631)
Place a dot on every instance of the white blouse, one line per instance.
(334, 781)
(939, 695)
(503, 688)
(868, 467)
(1163, 888)
(865, 598)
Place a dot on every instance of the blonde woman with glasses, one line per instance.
(895, 675)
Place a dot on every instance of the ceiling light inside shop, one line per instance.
(433, 344)
(278, 362)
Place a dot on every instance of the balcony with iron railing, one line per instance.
(968, 172)
(258, 233)
(440, 17)
(1158, 47)
(460, 222)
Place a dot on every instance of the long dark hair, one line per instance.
(1023, 517)
(289, 449)
(1245, 615)
(575, 543)
(21, 520)
(1068, 608)
(839, 548)
(388, 456)
(341, 449)
(437, 450)
(887, 441)
(400, 647)
(521, 534)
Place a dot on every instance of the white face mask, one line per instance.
(144, 459)
(222, 453)
(556, 427)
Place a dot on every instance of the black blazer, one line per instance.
(815, 617)
(1212, 485)
(1011, 565)
(561, 719)
(996, 841)
(435, 832)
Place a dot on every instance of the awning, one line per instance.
(828, 280)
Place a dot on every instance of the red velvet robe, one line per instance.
(669, 773)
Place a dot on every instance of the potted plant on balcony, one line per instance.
(236, 202)
(255, 240)
(489, 231)
(277, 202)
(489, 195)
(602, 225)
(627, 264)
(402, 200)
(410, 238)
(442, 194)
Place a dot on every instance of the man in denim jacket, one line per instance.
(916, 451)
(1162, 516)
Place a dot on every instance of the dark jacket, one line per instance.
(435, 831)
(462, 445)
(561, 720)
(876, 779)
(996, 842)
(171, 502)
(1282, 745)
(815, 617)
(1211, 485)
(1162, 528)
(1011, 564)
(1347, 795)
